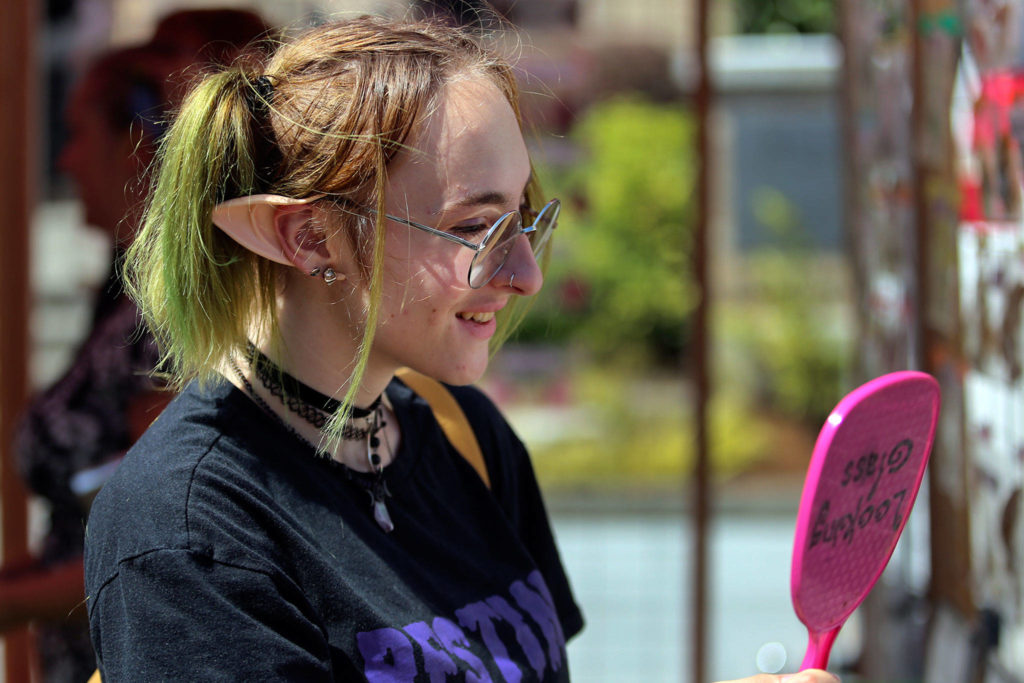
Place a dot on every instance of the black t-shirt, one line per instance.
(224, 549)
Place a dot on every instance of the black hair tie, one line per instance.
(262, 91)
(264, 88)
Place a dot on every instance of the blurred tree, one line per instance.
(620, 278)
(785, 16)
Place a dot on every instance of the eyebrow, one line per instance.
(485, 198)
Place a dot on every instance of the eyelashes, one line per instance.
(481, 225)
(470, 229)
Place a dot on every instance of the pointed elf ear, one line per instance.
(250, 222)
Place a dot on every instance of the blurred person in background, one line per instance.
(75, 432)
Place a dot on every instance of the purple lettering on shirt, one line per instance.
(478, 616)
(542, 611)
(527, 640)
(388, 656)
(437, 661)
(453, 638)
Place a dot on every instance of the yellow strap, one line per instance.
(449, 415)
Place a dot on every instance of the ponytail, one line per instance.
(193, 284)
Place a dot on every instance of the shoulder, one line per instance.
(189, 477)
(480, 410)
(489, 426)
(507, 459)
(143, 505)
(496, 437)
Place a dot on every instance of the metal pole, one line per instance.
(18, 27)
(701, 371)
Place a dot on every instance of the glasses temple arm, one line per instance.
(434, 231)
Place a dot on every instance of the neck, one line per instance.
(320, 341)
(318, 346)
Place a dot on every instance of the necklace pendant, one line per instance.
(381, 515)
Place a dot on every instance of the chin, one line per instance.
(463, 373)
(461, 378)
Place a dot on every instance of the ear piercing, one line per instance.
(511, 280)
(330, 277)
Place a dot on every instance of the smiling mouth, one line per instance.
(477, 317)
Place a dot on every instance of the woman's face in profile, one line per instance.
(465, 166)
(101, 162)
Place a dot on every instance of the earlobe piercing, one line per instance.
(511, 280)
(330, 277)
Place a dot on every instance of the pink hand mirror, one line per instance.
(867, 466)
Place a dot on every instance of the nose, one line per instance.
(521, 273)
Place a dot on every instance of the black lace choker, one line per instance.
(286, 387)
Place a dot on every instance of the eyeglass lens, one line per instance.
(501, 240)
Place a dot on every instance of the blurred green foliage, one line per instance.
(788, 335)
(618, 300)
(790, 339)
(785, 16)
(619, 281)
(640, 435)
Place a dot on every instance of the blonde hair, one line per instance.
(324, 116)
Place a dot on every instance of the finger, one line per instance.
(810, 676)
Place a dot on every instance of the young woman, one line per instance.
(361, 203)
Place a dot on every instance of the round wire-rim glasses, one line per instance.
(493, 250)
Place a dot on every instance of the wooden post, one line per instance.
(18, 135)
(934, 183)
(701, 372)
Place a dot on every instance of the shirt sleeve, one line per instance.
(164, 613)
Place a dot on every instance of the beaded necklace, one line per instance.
(312, 406)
